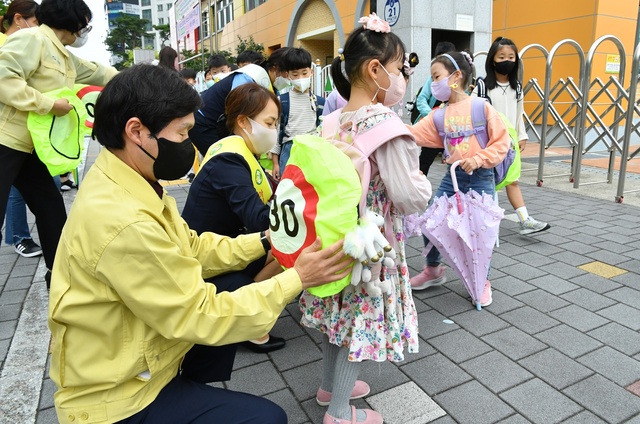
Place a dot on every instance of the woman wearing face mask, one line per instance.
(451, 74)
(24, 78)
(229, 196)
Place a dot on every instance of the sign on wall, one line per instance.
(613, 64)
(392, 11)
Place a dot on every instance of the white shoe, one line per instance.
(530, 226)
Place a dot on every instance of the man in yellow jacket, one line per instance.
(128, 299)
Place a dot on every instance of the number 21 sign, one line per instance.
(392, 11)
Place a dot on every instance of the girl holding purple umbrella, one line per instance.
(451, 74)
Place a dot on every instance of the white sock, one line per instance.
(522, 213)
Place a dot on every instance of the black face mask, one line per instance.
(174, 159)
(505, 67)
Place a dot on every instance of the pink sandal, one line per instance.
(372, 418)
(360, 390)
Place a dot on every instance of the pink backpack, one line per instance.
(360, 146)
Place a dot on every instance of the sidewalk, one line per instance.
(560, 343)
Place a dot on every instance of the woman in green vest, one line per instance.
(229, 196)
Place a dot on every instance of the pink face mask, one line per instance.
(395, 92)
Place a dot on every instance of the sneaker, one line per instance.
(486, 299)
(67, 185)
(429, 277)
(28, 248)
(530, 226)
(360, 390)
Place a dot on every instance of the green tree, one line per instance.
(4, 5)
(249, 44)
(126, 36)
(164, 31)
(194, 60)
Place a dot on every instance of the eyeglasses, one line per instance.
(84, 30)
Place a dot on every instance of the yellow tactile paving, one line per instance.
(173, 183)
(602, 269)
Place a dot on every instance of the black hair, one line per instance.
(188, 73)
(217, 60)
(490, 68)
(233, 67)
(72, 15)
(444, 47)
(362, 46)
(26, 8)
(153, 94)
(461, 60)
(167, 58)
(250, 56)
(296, 58)
(275, 59)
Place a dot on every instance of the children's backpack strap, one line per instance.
(479, 121)
(331, 123)
(284, 120)
(438, 121)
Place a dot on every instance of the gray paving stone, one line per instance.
(610, 258)
(588, 238)
(435, 374)
(304, 380)
(514, 343)
(459, 345)
(499, 260)
(298, 351)
(46, 395)
(485, 369)
(572, 258)
(577, 247)
(569, 341)
(432, 291)
(578, 318)
(503, 303)
(259, 380)
(553, 284)
(519, 240)
(246, 358)
(549, 238)
(613, 247)
(479, 324)
(287, 401)
(511, 285)
(18, 283)
(612, 364)
(511, 248)
(23, 271)
(12, 297)
(629, 279)
(604, 398)
(444, 420)
(533, 259)
(627, 296)
(47, 416)
(10, 312)
(555, 369)
(618, 337)
(449, 304)
(523, 272)
(4, 348)
(514, 419)
(584, 417)
(595, 283)
(430, 324)
(540, 403)
(541, 300)
(487, 407)
(623, 314)
(587, 299)
(529, 320)
(632, 265)
(382, 376)
(563, 270)
(406, 404)
(7, 328)
(618, 238)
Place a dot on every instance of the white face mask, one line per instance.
(280, 83)
(80, 40)
(301, 84)
(262, 138)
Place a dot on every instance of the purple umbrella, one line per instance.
(464, 228)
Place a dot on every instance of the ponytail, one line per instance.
(338, 71)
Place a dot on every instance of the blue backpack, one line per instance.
(503, 173)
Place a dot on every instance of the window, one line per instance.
(160, 21)
(146, 14)
(169, 6)
(252, 4)
(145, 3)
(205, 24)
(159, 8)
(225, 13)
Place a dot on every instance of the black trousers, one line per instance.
(205, 364)
(184, 401)
(30, 176)
(427, 156)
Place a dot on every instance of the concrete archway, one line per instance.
(297, 13)
(360, 8)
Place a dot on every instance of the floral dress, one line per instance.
(372, 327)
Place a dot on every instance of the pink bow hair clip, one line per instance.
(373, 22)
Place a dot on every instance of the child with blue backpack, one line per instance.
(451, 74)
(356, 323)
(301, 108)
(502, 88)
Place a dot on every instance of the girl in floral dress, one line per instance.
(356, 325)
